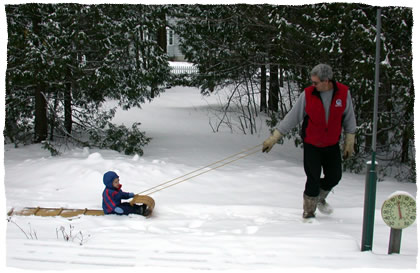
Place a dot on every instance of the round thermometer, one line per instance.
(399, 210)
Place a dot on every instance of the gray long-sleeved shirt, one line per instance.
(297, 113)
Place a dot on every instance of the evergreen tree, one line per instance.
(25, 79)
(69, 58)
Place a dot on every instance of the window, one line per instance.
(171, 37)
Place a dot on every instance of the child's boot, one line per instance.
(146, 210)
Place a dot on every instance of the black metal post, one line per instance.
(369, 207)
(395, 241)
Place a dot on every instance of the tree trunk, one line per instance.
(281, 101)
(274, 90)
(161, 40)
(41, 121)
(161, 33)
(53, 117)
(68, 121)
(281, 78)
(407, 133)
(405, 147)
(263, 103)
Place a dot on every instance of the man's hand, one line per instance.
(348, 147)
(269, 142)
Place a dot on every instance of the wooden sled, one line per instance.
(68, 213)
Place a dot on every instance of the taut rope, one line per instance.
(235, 157)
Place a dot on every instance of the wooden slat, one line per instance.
(48, 212)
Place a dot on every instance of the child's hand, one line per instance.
(118, 210)
(131, 194)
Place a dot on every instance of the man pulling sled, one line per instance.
(326, 109)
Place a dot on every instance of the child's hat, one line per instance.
(109, 178)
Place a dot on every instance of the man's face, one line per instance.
(320, 85)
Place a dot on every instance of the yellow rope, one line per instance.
(246, 153)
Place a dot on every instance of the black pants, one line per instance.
(327, 158)
(135, 209)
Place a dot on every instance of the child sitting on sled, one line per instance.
(112, 195)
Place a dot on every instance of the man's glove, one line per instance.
(131, 194)
(348, 147)
(118, 210)
(273, 139)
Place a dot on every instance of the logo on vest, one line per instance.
(338, 103)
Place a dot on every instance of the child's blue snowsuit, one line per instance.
(111, 198)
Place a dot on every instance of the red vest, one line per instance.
(316, 129)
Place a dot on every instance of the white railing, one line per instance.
(184, 69)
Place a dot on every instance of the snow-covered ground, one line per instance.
(245, 216)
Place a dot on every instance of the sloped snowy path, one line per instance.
(245, 216)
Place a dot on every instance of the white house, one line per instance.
(173, 43)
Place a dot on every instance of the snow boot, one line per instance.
(323, 206)
(146, 211)
(309, 206)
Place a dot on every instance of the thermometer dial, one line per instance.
(399, 210)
